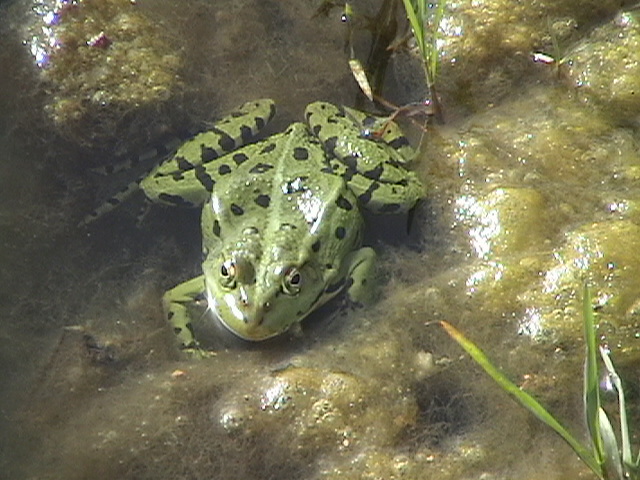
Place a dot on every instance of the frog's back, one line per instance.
(283, 188)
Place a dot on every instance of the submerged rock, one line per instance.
(505, 221)
(105, 66)
(315, 409)
(543, 206)
(604, 68)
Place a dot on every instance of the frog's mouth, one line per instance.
(246, 321)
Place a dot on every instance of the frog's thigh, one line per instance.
(176, 303)
(383, 197)
(362, 276)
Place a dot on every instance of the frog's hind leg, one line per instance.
(379, 196)
(227, 134)
(120, 196)
(110, 204)
(370, 153)
(186, 160)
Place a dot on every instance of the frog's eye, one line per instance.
(228, 273)
(292, 281)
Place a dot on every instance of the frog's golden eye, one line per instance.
(292, 281)
(228, 273)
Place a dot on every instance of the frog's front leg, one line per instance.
(176, 304)
(361, 278)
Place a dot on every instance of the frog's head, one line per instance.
(258, 298)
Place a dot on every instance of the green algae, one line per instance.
(110, 62)
(604, 67)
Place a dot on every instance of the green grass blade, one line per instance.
(434, 56)
(523, 398)
(591, 378)
(632, 469)
(624, 426)
(612, 464)
(416, 24)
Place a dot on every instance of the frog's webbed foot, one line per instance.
(176, 304)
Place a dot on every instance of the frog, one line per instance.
(282, 217)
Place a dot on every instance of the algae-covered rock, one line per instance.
(505, 229)
(506, 221)
(105, 66)
(524, 186)
(315, 409)
(606, 255)
(373, 463)
(604, 67)
(206, 416)
(486, 45)
(544, 140)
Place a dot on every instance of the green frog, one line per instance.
(281, 219)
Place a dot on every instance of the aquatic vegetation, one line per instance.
(424, 18)
(103, 63)
(605, 458)
(387, 38)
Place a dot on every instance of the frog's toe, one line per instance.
(196, 352)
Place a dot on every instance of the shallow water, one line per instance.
(528, 182)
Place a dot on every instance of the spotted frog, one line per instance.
(281, 219)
